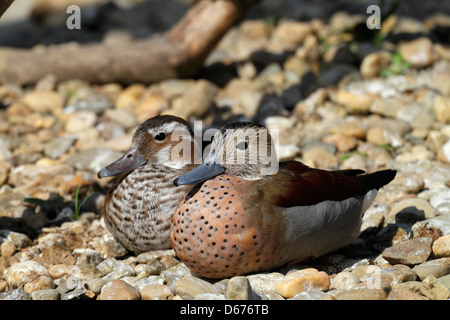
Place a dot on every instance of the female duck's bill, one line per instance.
(128, 162)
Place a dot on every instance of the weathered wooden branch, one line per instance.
(178, 53)
(4, 5)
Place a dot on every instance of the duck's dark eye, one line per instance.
(161, 136)
(242, 145)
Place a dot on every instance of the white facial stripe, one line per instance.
(167, 128)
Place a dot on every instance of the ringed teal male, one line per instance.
(140, 205)
(237, 220)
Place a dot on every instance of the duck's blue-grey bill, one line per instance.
(206, 170)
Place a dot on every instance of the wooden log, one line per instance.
(178, 53)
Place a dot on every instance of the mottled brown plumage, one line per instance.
(139, 206)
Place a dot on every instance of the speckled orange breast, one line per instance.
(218, 233)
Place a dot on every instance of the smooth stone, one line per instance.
(362, 294)
(19, 240)
(303, 280)
(41, 283)
(320, 158)
(119, 290)
(44, 101)
(255, 29)
(388, 107)
(46, 294)
(344, 280)
(57, 147)
(141, 283)
(288, 35)
(355, 103)
(5, 152)
(121, 270)
(80, 121)
(189, 287)
(417, 153)
(247, 70)
(419, 52)
(408, 182)
(349, 128)
(354, 161)
(384, 136)
(435, 140)
(444, 152)
(427, 234)
(7, 248)
(156, 292)
(441, 202)
(209, 296)
(197, 100)
(437, 176)
(399, 273)
(417, 116)
(157, 254)
(112, 248)
(410, 252)
(239, 288)
(270, 106)
(173, 88)
(30, 174)
(445, 281)
(125, 118)
(409, 211)
(309, 295)
(16, 294)
(373, 63)
(413, 286)
(342, 142)
(441, 247)
(87, 100)
(332, 72)
(96, 285)
(433, 290)
(441, 109)
(297, 65)
(29, 275)
(173, 274)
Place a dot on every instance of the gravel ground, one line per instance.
(339, 103)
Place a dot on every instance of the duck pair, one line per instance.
(226, 217)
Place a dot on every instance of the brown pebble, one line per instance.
(362, 294)
(402, 294)
(157, 292)
(119, 290)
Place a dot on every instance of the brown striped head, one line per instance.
(163, 140)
